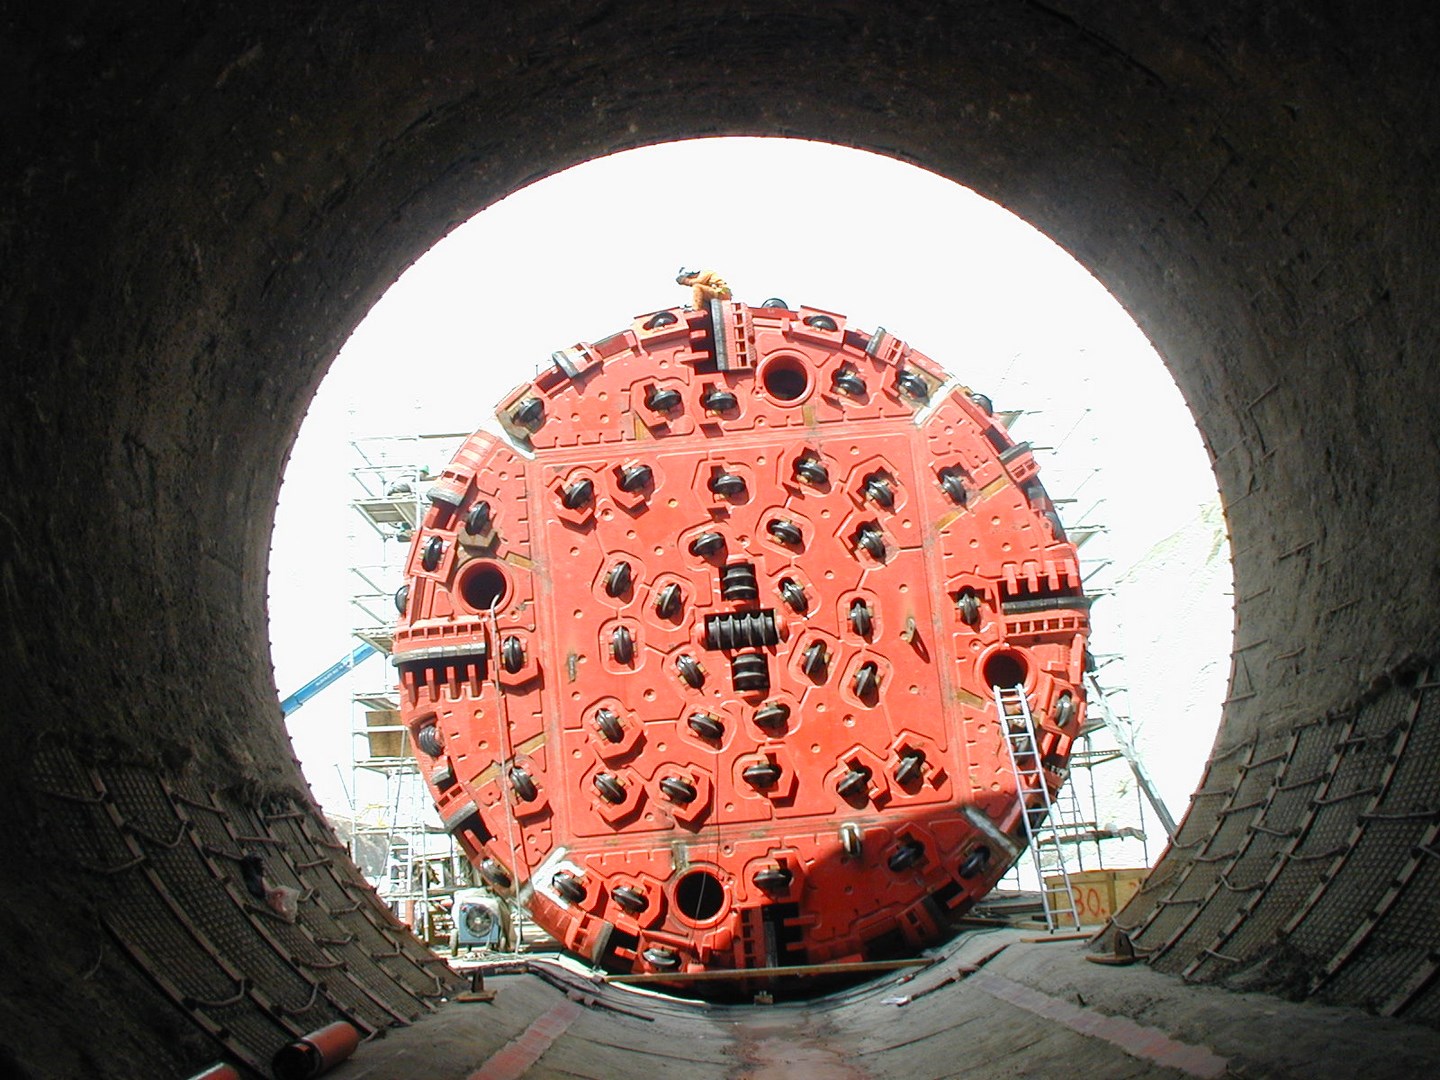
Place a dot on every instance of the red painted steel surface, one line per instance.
(698, 665)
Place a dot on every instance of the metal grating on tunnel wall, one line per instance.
(1310, 863)
(165, 857)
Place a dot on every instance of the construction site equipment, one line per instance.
(1120, 728)
(698, 663)
(1041, 802)
(362, 651)
(397, 839)
(316, 1053)
(1093, 895)
(482, 921)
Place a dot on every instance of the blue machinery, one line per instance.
(361, 652)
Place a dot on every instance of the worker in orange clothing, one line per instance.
(706, 285)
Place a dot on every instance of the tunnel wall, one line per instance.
(1308, 863)
(199, 206)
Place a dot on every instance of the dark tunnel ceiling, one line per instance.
(199, 209)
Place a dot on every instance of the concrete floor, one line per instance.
(994, 1005)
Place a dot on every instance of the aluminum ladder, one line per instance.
(1017, 725)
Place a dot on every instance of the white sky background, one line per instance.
(574, 257)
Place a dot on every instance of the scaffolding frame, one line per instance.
(392, 810)
(1105, 745)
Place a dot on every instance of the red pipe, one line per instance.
(317, 1053)
(218, 1071)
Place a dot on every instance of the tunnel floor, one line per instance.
(996, 1003)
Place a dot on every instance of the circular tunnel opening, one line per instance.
(462, 293)
(1180, 160)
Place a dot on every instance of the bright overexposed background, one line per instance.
(575, 256)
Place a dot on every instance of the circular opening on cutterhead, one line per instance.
(482, 585)
(699, 896)
(1006, 668)
(785, 378)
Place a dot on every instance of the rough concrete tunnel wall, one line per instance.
(198, 209)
